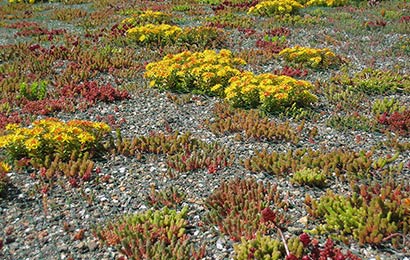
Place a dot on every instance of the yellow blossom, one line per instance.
(4, 167)
(32, 144)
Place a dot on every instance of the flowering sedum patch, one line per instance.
(275, 7)
(4, 169)
(314, 58)
(328, 3)
(51, 138)
(268, 91)
(22, 1)
(161, 33)
(205, 72)
(146, 17)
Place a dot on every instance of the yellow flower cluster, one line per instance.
(328, 3)
(314, 58)
(275, 7)
(206, 72)
(22, 1)
(48, 137)
(162, 33)
(4, 167)
(268, 91)
(149, 16)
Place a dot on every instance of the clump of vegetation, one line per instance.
(275, 7)
(310, 177)
(164, 34)
(374, 214)
(51, 138)
(146, 17)
(269, 92)
(302, 247)
(327, 3)
(36, 90)
(154, 33)
(251, 125)
(351, 122)
(170, 197)
(159, 234)
(262, 247)
(184, 153)
(397, 121)
(242, 208)
(4, 169)
(343, 163)
(310, 57)
(372, 81)
(204, 72)
(386, 105)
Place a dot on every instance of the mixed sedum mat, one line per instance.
(302, 114)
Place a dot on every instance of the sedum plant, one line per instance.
(373, 81)
(340, 162)
(388, 106)
(159, 234)
(204, 72)
(146, 17)
(311, 57)
(268, 91)
(327, 3)
(310, 177)
(374, 214)
(170, 197)
(184, 153)
(302, 247)
(22, 1)
(163, 34)
(275, 7)
(157, 33)
(51, 137)
(4, 169)
(242, 208)
(251, 124)
(35, 91)
(262, 247)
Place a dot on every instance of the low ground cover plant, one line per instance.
(4, 169)
(205, 72)
(243, 208)
(302, 247)
(268, 92)
(214, 73)
(271, 8)
(51, 138)
(311, 57)
(159, 234)
(374, 214)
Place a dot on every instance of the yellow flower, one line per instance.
(101, 126)
(216, 87)
(4, 167)
(12, 127)
(32, 144)
(281, 96)
(142, 38)
(4, 141)
(63, 137)
(85, 137)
